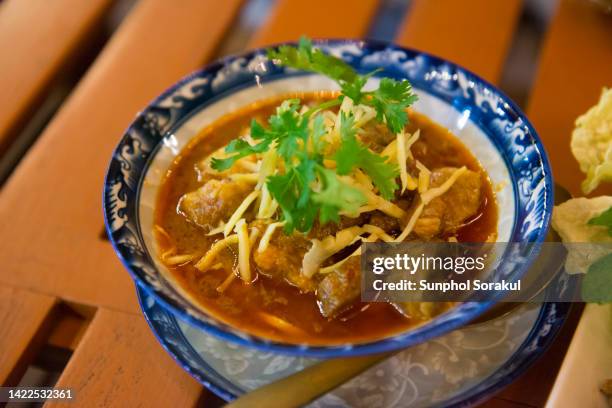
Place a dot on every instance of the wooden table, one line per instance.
(61, 285)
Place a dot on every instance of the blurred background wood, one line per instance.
(37, 40)
(291, 19)
(481, 46)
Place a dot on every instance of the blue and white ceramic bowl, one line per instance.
(486, 121)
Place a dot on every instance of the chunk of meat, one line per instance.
(388, 223)
(376, 136)
(320, 231)
(282, 259)
(448, 212)
(340, 289)
(429, 223)
(215, 201)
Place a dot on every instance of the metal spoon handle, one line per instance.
(305, 386)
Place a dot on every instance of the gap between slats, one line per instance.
(37, 334)
(119, 363)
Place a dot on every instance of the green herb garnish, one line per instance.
(305, 188)
(390, 99)
(352, 153)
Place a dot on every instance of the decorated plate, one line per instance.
(462, 367)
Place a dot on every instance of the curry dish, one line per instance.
(261, 216)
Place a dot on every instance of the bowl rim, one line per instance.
(390, 343)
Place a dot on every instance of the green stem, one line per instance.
(324, 105)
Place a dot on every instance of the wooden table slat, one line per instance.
(291, 19)
(23, 317)
(51, 243)
(119, 363)
(473, 33)
(36, 39)
(575, 64)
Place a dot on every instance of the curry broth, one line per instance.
(245, 305)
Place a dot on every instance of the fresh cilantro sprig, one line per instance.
(305, 189)
(352, 153)
(604, 220)
(242, 149)
(335, 196)
(390, 99)
(307, 58)
(300, 147)
(286, 127)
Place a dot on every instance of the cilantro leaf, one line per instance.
(354, 89)
(318, 131)
(353, 153)
(242, 148)
(604, 219)
(286, 127)
(285, 188)
(390, 101)
(597, 283)
(293, 194)
(336, 196)
(307, 58)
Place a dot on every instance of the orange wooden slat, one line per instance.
(119, 363)
(51, 206)
(36, 39)
(291, 19)
(23, 316)
(576, 64)
(473, 33)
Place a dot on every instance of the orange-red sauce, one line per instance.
(241, 304)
